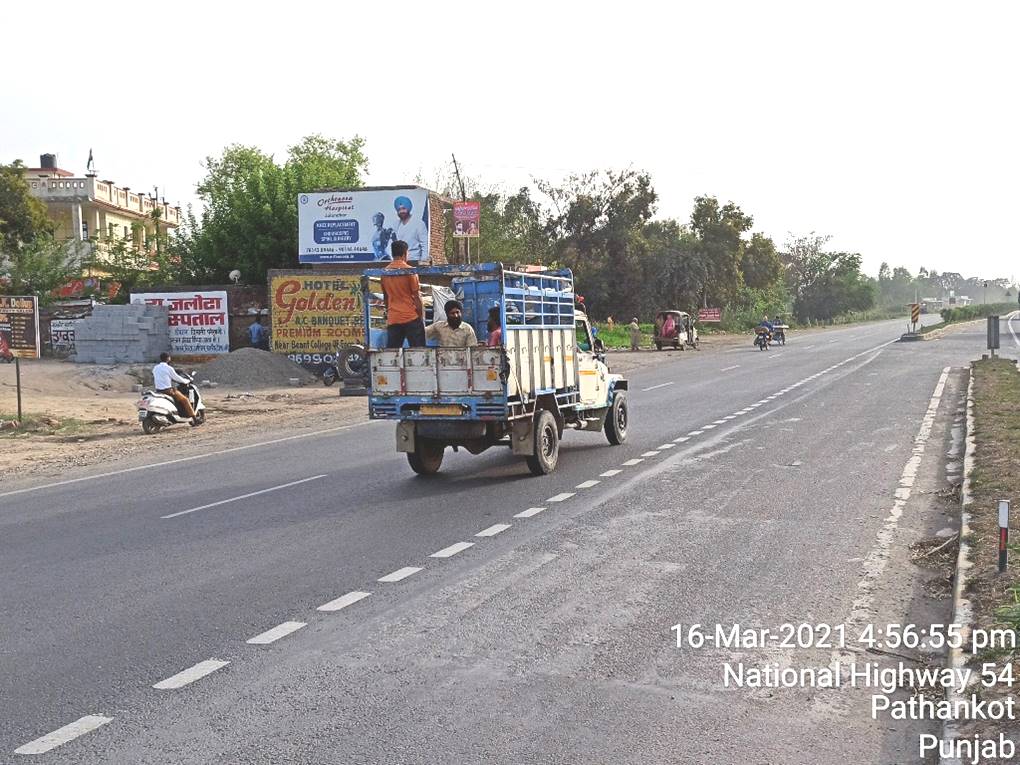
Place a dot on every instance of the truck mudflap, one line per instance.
(522, 437)
(405, 436)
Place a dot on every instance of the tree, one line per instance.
(760, 265)
(23, 218)
(825, 284)
(37, 267)
(718, 229)
(249, 221)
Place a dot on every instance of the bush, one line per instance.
(967, 312)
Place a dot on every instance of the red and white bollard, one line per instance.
(1003, 533)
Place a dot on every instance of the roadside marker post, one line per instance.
(1003, 534)
(915, 315)
(993, 334)
(17, 377)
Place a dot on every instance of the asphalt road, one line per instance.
(753, 490)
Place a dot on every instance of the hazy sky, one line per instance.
(891, 126)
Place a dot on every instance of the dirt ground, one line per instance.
(84, 414)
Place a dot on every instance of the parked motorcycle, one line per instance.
(158, 410)
(762, 338)
(350, 364)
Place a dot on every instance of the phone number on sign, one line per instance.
(804, 635)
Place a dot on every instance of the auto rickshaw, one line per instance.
(676, 329)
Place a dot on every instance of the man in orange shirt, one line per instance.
(404, 310)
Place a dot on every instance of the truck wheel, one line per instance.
(616, 419)
(547, 444)
(426, 457)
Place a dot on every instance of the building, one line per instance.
(98, 212)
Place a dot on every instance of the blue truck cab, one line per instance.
(547, 375)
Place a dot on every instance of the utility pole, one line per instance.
(463, 198)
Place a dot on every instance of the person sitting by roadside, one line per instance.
(454, 332)
(163, 378)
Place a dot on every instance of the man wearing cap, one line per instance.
(411, 229)
(454, 332)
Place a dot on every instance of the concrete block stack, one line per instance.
(122, 334)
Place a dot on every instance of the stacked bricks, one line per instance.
(122, 334)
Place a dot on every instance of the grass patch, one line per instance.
(42, 425)
(996, 476)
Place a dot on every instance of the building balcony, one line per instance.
(104, 194)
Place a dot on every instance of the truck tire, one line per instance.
(616, 419)
(547, 444)
(351, 362)
(426, 458)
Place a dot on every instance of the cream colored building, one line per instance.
(89, 210)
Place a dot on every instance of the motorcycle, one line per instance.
(779, 333)
(762, 337)
(158, 410)
(350, 363)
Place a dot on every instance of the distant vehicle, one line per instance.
(675, 328)
(779, 333)
(762, 338)
(548, 375)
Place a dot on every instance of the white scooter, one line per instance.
(158, 410)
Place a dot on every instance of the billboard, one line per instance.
(19, 327)
(709, 314)
(361, 226)
(311, 316)
(199, 323)
(467, 218)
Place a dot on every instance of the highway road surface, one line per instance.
(312, 601)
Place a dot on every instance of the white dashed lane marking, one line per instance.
(400, 573)
(656, 387)
(493, 530)
(277, 632)
(727, 369)
(633, 462)
(449, 552)
(682, 439)
(666, 446)
(650, 454)
(61, 736)
(190, 675)
(343, 601)
(707, 427)
(529, 512)
(561, 497)
(695, 433)
(587, 484)
(610, 473)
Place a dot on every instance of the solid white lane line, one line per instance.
(695, 433)
(400, 573)
(343, 601)
(529, 512)
(562, 496)
(587, 484)
(277, 632)
(633, 462)
(449, 552)
(682, 439)
(184, 459)
(243, 496)
(610, 473)
(190, 675)
(61, 736)
(656, 387)
(727, 369)
(666, 446)
(493, 530)
(650, 454)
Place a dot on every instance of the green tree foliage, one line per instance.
(719, 230)
(23, 218)
(760, 265)
(37, 268)
(249, 220)
(825, 284)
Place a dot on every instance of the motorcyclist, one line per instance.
(777, 329)
(164, 376)
(768, 328)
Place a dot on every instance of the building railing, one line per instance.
(90, 189)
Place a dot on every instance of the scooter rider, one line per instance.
(164, 376)
(768, 327)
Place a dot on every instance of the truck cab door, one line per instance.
(592, 383)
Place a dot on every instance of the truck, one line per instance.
(549, 373)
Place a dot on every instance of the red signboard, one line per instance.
(467, 218)
(709, 314)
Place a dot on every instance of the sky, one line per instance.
(890, 126)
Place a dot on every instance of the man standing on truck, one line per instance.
(405, 313)
(452, 333)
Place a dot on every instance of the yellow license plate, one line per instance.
(446, 410)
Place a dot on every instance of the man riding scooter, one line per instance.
(763, 333)
(164, 376)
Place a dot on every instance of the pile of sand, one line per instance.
(252, 368)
